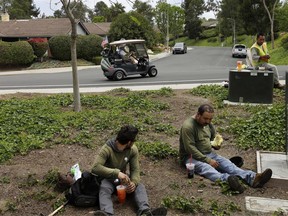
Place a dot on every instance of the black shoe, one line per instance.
(279, 86)
(262, 178)
(101, 213)
(234, 184)
(161, 211)
(146, 212)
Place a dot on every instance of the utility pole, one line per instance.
(167, 36)
(167, 26)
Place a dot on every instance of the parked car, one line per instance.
(126, 58)
(179, 47)
(239, 50)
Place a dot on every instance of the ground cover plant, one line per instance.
(41, 136)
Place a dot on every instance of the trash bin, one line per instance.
(251, 86)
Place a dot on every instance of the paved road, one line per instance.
(200, 65)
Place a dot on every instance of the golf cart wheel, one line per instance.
(144, 75)
(119, 75)
(153, 72)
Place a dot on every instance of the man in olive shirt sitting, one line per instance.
(111, 164)
(196, 135)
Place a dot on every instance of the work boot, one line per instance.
(279, 86)
(235, 184)
(262, 178)
(161, 211)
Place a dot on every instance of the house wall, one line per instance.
(80, 30)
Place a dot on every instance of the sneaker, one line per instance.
(161, 211)
(101, 213)
(262, 178)
(234, 184)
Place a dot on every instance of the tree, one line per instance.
(271, 15)
(176, 21)
(193, 9)
(130, 26)
(230, 17)
(110, 14)
(144, 9)
(79, 11)
(214, 6)
(115, 10)
(21, 9)
(162, 18)
(282, 17)
(68, 7)
(101, 9)
(98, 19)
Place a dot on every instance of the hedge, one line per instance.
(16, 53)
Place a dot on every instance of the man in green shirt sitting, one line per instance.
(111, 164)
(196, 135)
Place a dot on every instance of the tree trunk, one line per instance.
(271, 18)
(76, 92)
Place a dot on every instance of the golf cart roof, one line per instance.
(127, 41)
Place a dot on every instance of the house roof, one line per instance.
(37, 27)
(98, 28)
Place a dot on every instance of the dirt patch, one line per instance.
(164, 178)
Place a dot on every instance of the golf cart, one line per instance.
(125, 58)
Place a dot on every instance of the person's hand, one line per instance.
(214, 163)
(265, 58)
(130, 187)
(216, 143)
(124, 179)
(216, 147)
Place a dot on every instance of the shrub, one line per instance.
(212, 40)
(39, 45)
(284, 42)
(157, 49)
(97, 60)
(89, 46)
(208, 33)
(16, 53)
(60, 47)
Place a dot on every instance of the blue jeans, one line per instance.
(107, 188)
(223, 171)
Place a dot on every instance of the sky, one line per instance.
(45, 7)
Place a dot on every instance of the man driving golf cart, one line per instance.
(125, 58)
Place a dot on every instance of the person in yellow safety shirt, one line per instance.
(260, 58)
